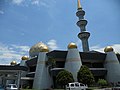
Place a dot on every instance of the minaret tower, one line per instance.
(83, 35)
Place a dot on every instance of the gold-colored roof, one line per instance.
(39, 47)
(108, 49)
(79, 5)
(25, 58)
(44, 49)
(13, 63)
(72, 46)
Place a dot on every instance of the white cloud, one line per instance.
(116, 48)
(23, 48)
(1, 12)
(17, 2)
(35, 2)
(12, 52)
(44, 3)
(52, 44)
(97, 48)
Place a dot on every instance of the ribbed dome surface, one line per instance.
(37, 48)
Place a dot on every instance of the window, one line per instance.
(14, 86)
(81, 84)
(77, 84)
(72, 85)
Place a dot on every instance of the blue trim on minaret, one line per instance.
(83, 35)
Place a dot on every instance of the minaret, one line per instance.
(83, 35)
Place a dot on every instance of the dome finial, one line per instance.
(79, 5)
(13, 63)
(108, 49)
(25, 58)
(72, 45)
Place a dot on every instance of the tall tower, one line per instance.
(83, 35)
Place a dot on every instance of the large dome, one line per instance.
(39, 47)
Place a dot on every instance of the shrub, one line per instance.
(102, 82)
(85, 76)
(64, 77)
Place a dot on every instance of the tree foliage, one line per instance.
(64, 77)
(51, 62)
(85, 76)
(102, 82)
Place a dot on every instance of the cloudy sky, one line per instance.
(24, 23)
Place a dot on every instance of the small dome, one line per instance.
(108, 49)
(13, 63)
(72, 45)
(39, 47)
(25, 58)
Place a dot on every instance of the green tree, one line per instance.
(85, 76)
(51, 62)
(102, 82)
(64, 77)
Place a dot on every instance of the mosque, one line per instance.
(37, 71)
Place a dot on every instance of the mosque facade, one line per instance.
(37, 72)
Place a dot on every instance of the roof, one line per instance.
(32, 61)
(57, 54)
(85, 56)
(8, 67)
(93, 56)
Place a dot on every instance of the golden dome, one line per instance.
(39, 47)
(25, 58)
(44, 49)
(72, 45)
(13, 63)
(108, 49)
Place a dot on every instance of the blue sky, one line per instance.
(24, 23)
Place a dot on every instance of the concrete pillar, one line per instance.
(42, 79)
(73, 60)
(23, 63)
(112, 65)
(18, 78)
(10, 81)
